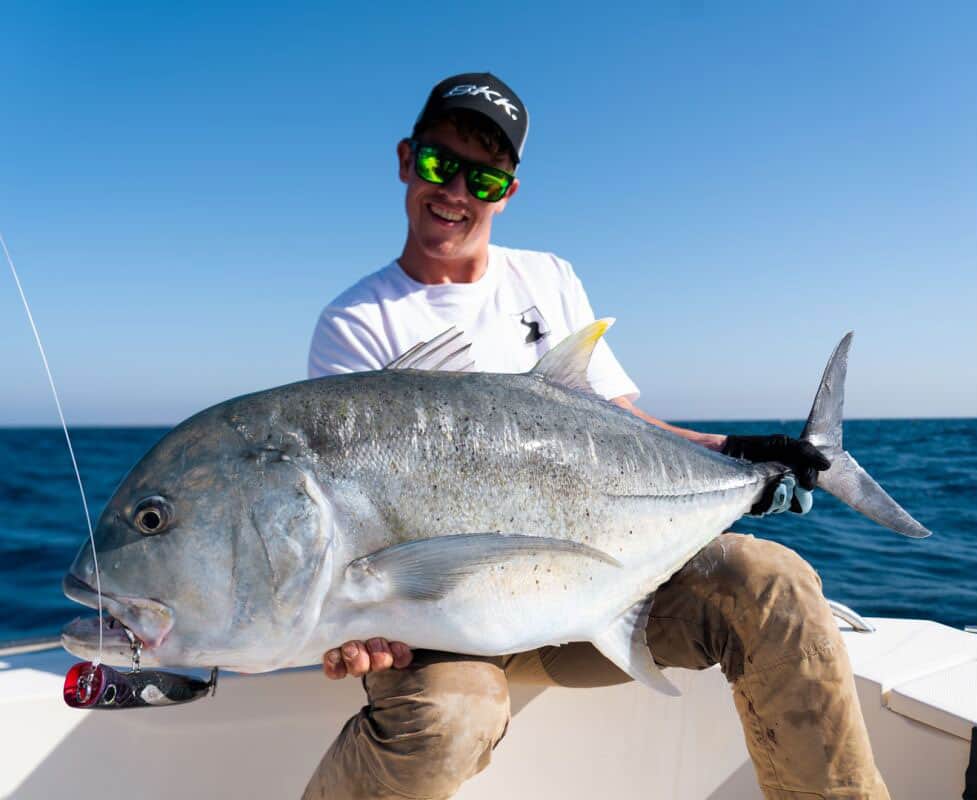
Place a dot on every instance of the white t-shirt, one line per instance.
(524, 304)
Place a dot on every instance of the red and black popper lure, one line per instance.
(97, 686)
(90, 685)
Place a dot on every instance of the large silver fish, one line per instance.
(474, 513)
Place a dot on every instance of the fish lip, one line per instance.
(148, 620)
(80, 637)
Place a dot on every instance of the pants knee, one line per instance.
(743, 602)
(764, 574)
(427, 743)
(778, 598)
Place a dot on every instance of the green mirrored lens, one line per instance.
(487, 186)
(433, 167)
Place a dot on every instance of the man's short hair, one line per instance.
(472, 125)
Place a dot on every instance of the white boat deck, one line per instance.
(261, 736)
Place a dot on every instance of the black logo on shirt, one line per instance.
(533, 320)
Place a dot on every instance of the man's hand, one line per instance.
(357, 658)
(803, 458)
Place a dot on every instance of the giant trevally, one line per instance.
(469, 512)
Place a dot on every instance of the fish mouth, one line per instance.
(148, 621)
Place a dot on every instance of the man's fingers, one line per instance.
(357, 658)
(380, 656)
(402, 654)
(795, 453)
(807, 477)
(817, 459)
(333, 666)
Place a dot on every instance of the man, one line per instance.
(751, 605)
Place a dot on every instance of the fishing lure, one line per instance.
(92, 685)
(97, 686)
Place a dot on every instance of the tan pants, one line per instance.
(751, 605)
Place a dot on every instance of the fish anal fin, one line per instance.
(428, 569)
(566, 364)
(625, 643)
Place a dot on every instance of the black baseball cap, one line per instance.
(484, 94)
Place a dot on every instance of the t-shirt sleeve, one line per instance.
(342, 343)
(606, 375)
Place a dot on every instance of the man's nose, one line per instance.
(455, 185)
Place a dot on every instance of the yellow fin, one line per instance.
(566, 364)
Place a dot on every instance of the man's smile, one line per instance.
(446, 214)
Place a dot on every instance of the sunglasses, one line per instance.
(437, 165)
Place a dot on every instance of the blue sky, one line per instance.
(183, 188)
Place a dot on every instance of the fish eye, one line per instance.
(153, 515)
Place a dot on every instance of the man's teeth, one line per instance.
(447, 213)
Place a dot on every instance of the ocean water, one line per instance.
(929, 466)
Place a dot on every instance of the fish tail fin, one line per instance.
(845, 479)
(625, 643)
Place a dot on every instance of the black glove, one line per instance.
(803, 458)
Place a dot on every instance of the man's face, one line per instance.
(445, 221)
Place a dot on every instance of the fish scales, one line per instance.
(447, 454)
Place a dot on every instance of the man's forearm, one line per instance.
(714, 441)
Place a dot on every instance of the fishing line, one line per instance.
(71, 450)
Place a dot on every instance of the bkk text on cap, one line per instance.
(484, 94)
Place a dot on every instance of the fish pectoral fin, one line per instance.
(566, 364)
(625, 643)
(428, 569)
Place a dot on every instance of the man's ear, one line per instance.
(404, 159)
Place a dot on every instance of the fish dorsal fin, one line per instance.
(448, 351)
(566, 364)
